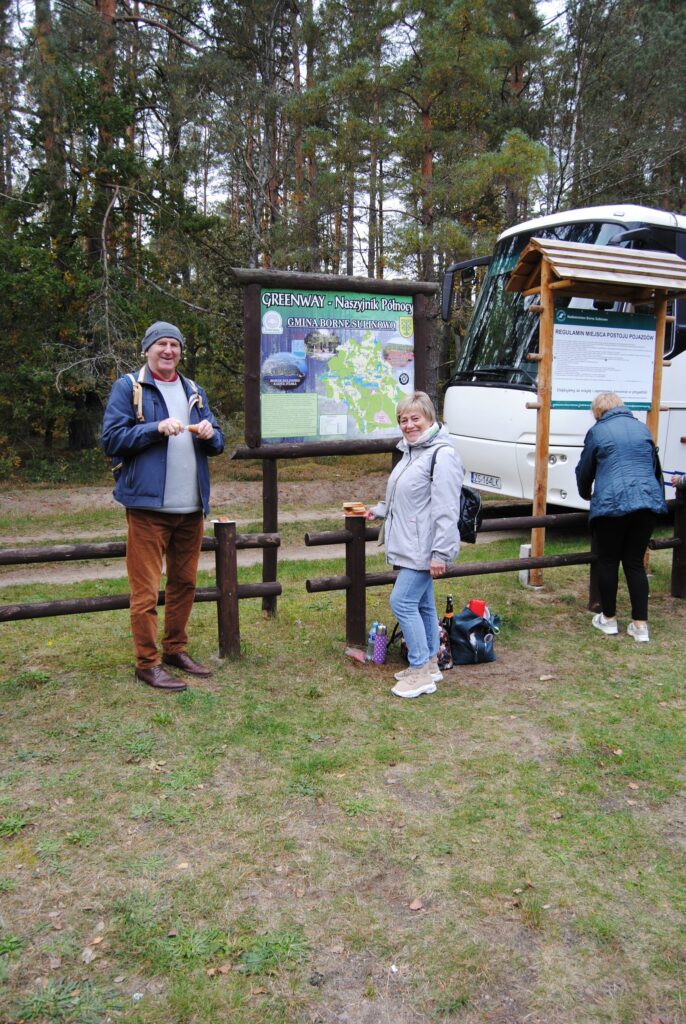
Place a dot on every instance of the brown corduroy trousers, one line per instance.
(152, 536)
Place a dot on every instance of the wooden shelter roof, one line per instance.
(599, 271)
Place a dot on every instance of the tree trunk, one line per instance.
(50, 120)
(350, 226)
(426, 202)
(99, 241)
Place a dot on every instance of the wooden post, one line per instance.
(356, 592)
(252, 342)
(226, 570)
(678, 588)
(422, 340)
(653, 416)
(270, 524)
(546, 327)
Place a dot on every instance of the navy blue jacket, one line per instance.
(142, 450)
(619, 455)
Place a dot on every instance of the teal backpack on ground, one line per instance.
(472, 636)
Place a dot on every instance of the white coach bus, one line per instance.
(485, 401)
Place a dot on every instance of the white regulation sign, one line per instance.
(602, 351)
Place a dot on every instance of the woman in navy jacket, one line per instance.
(619, 472)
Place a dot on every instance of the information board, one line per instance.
(333, 365)
(597, 351)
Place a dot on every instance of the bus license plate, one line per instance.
(484, 480)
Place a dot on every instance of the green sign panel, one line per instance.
(333, 365)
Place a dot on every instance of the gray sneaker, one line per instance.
(432, 665)
(608, 626)
(639, 633)
(415, 683)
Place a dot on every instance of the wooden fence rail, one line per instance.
(227, 592)
(356, 534)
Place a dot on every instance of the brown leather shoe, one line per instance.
(184, 661)
(156, 676)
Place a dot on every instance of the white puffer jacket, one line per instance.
(421, 513)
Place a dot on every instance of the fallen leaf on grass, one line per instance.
(545, 679)
(634, 785)
(183, 866)
(416, 904)
(54, 963)
(96, 940)
(618, 752)
(88, 955)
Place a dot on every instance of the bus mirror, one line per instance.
(447, 293)
(629, 234)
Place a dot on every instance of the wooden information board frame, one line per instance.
(423, 295)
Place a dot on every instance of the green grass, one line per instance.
(250, 850)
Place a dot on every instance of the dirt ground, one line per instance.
(299, 501)
(226, 495)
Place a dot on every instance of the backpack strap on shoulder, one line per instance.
(137, 393)
(196, 397)
(433, 457)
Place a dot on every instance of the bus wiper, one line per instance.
(501, 368)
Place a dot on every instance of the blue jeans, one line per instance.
(413, 604)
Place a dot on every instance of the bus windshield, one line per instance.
(501, 330)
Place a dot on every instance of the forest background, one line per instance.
(148, 147)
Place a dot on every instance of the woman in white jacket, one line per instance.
(421, 510)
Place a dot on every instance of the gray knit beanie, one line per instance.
(161, 329)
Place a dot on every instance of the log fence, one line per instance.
(356, 534)
(226, 593)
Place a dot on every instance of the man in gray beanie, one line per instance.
(159, 430)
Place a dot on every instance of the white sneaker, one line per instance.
(639, 633)
(432, 665)
(415, 683)
(608, 626)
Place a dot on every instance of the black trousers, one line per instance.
(623, 539)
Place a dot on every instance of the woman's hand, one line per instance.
(369, 515)
(436, 568)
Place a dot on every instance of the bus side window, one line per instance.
(676, 332)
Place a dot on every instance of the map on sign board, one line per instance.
(333, 365)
